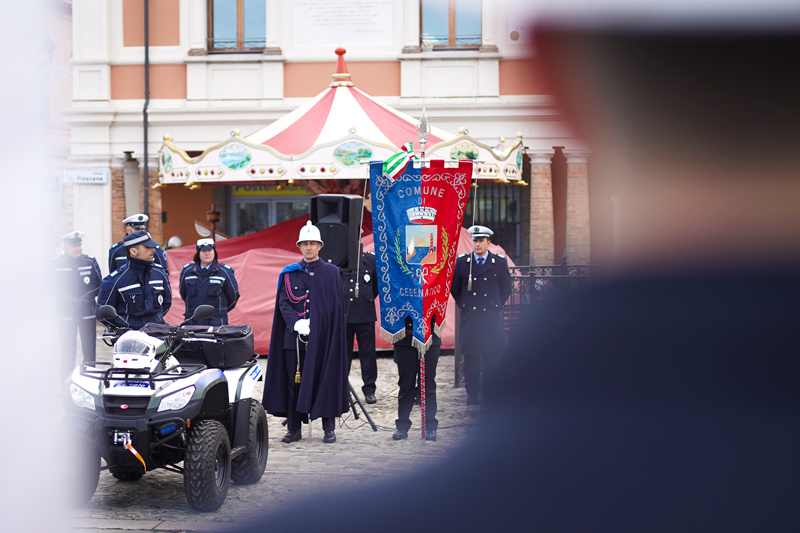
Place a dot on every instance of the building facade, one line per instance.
(217, 66)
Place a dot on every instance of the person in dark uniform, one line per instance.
(307, 367)
(406, 357)
(361, 319)
(117, 255)
(78, 278)
(481, 323)
(139, 290)
(206, 281)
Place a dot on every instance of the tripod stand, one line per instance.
(354, 399)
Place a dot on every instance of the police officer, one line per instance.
(481, 303)
(78, 281)
(139, 290)
(361, 319)
(117, 254)
(208, 282)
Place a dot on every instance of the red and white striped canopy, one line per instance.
(337, 112)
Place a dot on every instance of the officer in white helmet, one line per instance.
(307, 367)
(117, 255)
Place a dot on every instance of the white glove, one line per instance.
(303, 326)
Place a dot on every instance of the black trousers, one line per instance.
(294, 417)
(474, 364)
(364, 332)
(407, 360)
(86, 327)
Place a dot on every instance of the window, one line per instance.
(237, 25)
(451, 23)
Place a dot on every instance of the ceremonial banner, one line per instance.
(416, 218)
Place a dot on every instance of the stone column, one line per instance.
(578, 242)
(542, 230)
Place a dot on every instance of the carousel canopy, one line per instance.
(327, 139)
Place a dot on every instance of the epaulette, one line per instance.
(157, 265)
(226, 266)
(114, 273)
(187, 264)
(500, 255)
(373, 253)
(90, 256)
(462, 255)
(115, 245)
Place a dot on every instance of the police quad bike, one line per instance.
(171, 394)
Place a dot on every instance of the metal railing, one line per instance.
(529, 286)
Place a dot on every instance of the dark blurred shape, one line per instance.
(665, 398)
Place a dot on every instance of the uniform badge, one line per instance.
(86, 280)
(366, 278)
(160, 299)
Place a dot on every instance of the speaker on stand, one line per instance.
(338, 217)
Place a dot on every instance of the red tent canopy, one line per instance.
(257, 260)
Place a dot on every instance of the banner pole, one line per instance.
(422, 393)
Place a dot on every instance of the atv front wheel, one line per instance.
(249, 467)
(207, 465)
(125, 475)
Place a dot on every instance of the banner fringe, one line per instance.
(393, 337)
(439, 329)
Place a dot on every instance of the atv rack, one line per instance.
(138, 374)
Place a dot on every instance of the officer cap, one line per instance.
(137, 221)
(205, 244)
(480, 232)
(309, 232)
(73, 237)
(139, 237)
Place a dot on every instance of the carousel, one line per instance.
(322, 145)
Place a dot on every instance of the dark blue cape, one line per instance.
(324, 387)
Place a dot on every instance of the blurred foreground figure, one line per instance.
(668, 397)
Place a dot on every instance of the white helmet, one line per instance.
(309, 232)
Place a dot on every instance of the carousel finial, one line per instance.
(341, 78)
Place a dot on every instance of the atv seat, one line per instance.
(219, 347)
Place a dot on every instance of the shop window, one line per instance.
(237, 25)
(449, 24)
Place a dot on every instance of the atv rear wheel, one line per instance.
(249, 467)
(207, 465)
(125, 475)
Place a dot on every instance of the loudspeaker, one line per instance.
(338, 217)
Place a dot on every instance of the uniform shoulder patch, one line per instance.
(226, 266)
(157, 265)
(114, 273)
(188, 264)
(90, 256)
(116, 244)
(462, 255)
(500, 255)
(371, 253)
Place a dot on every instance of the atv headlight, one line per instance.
(176, 400)
(81, 398)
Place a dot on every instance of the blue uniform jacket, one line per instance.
(78, 281)
(215, 285)
(139, 291)
(117, 256)
(362, 309)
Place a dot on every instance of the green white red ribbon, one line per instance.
(394, 165)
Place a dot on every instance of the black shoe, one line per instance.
(430, 435)
(370, 398)
(329, 437)
(292, 436)
(472, 401)
(400, 434)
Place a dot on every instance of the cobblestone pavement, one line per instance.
(360, 456)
